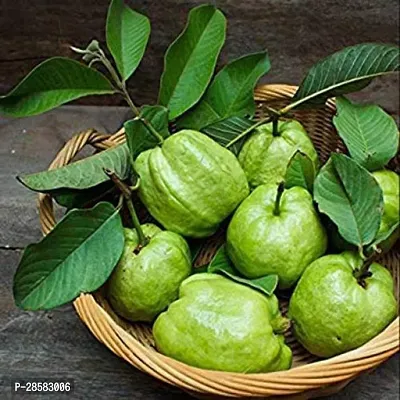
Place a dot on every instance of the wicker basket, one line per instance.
(309, 377)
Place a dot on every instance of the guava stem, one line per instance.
(121, 186)
(128, 99)
(136, 223)
(149, 126)
(363, 272)
(275, 122)
(127, 195)
(125, 94)
(279, 192)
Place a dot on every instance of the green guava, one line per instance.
(218, 324)
(269, 234)
(144, 283)
(265, 157)
(332, 312)
(190, 184)
(389, 183)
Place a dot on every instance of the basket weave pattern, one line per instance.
(309, 377)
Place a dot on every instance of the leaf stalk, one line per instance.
(275, 122)
(248, 130)
(363, 272)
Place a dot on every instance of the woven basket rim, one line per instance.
(341, 368)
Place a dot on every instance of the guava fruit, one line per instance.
(275, 232)
(265, 157)
(190, 183)
(145, 282)
(333, 312)
(221, 325)
(389, 183)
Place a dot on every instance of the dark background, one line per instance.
(296, 33)
(55, 344)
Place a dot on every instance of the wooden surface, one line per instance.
(295, 32)
(56, 344)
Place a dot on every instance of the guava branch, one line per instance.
(126, 192)
(99, 55)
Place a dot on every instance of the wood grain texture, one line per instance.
(296, 33)
(56, 344)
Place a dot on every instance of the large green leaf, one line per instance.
(346, 71)
(77, 256)
(127, 35)
(81, 198)
(370, 134)
(300, 172)
(228, 129)
(139, 137)
(222, 264)
(190, 60)
(158, 117)
(82, 174)
(351, 197)
(54, 82)
(230, 93)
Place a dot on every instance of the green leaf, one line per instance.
(223, 265)
(346, 71)
(226, 130)
(370, 134)
(196, 245)
(82, 174)
(190, 60)
(75, 198)
(200, 270)
(230, 93)
(139, 137)
(351, 197)
(127, 35)
(77, 256)
(54, 82)
(381, 237)
(158, 117)
(300, 172)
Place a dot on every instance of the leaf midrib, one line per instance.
(329, 88)
(347, 197)
(190, 56)
(39, 283)
(363, 137)
(142, 19)
(37, 92)
(116, 150)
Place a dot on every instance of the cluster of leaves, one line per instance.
(189, 97)
(345, 189)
